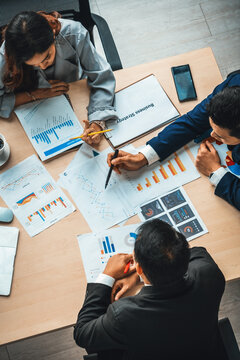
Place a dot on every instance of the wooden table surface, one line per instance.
(49, 281)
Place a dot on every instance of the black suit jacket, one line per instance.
(174, 322)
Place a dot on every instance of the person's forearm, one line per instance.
(24, 98)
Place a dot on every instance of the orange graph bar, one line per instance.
(139, 187)
(42, 213)
(155, 177)
(148, 184)
(29, 218)
(180, 164)
(163, 172)
(171, 168)
(102, 252)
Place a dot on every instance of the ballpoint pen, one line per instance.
(111, 168)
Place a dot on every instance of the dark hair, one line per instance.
(162, 252)
(28, 33)
(224, 110)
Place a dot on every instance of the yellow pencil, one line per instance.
(93, 133)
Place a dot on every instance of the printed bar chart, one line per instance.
(45, 136)
(106, 245)
(46, 210)
(47, 188)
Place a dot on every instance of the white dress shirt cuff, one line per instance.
(217, 176)
(150, 154)
(105, 280)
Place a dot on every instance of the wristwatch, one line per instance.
(101, 123)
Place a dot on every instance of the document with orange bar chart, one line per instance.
(33, 196)
(150, 181)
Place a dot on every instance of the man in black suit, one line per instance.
(175, 315)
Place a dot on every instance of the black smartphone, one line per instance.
(184, 82)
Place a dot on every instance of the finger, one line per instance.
(121, 292)
(86, 124)
(210, 146)
(117, 170)
(128, 257)
(109, 158)
(120, 160)
(96, 138)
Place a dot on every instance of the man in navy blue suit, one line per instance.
(219, 112)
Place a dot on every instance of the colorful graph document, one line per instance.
(49, 124)
(97, 248)
(224, 153)
(141, 107)
(176, 209)
(160, 177)
(33, 195)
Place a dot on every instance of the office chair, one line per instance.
(227, 336)
(89, 20)
(228, 339)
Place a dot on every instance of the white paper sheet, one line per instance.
(224, 153)
(86, 184)
(49, 125)
(97, 248)
(176, 209)
(8, 248)
(141, 107)
(33, 195)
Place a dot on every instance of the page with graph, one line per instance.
(34, 197)
(102, 245)
(150, 181)
(49, 125)
(176, 209)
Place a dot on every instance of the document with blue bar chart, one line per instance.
(34, 197)
(50, 124)
(97, 248)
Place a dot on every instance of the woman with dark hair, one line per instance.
(41, 54)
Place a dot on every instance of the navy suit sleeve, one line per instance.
(188, 126)
(228, 189)
(98, 327)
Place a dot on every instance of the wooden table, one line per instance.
(49, 282)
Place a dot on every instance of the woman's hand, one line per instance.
(57, 88)
(88, 128)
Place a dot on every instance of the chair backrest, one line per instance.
(228, 339)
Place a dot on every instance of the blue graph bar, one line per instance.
(113, 248)
(40, 216)
(62, 146)
(108, 244)
(105, 248)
